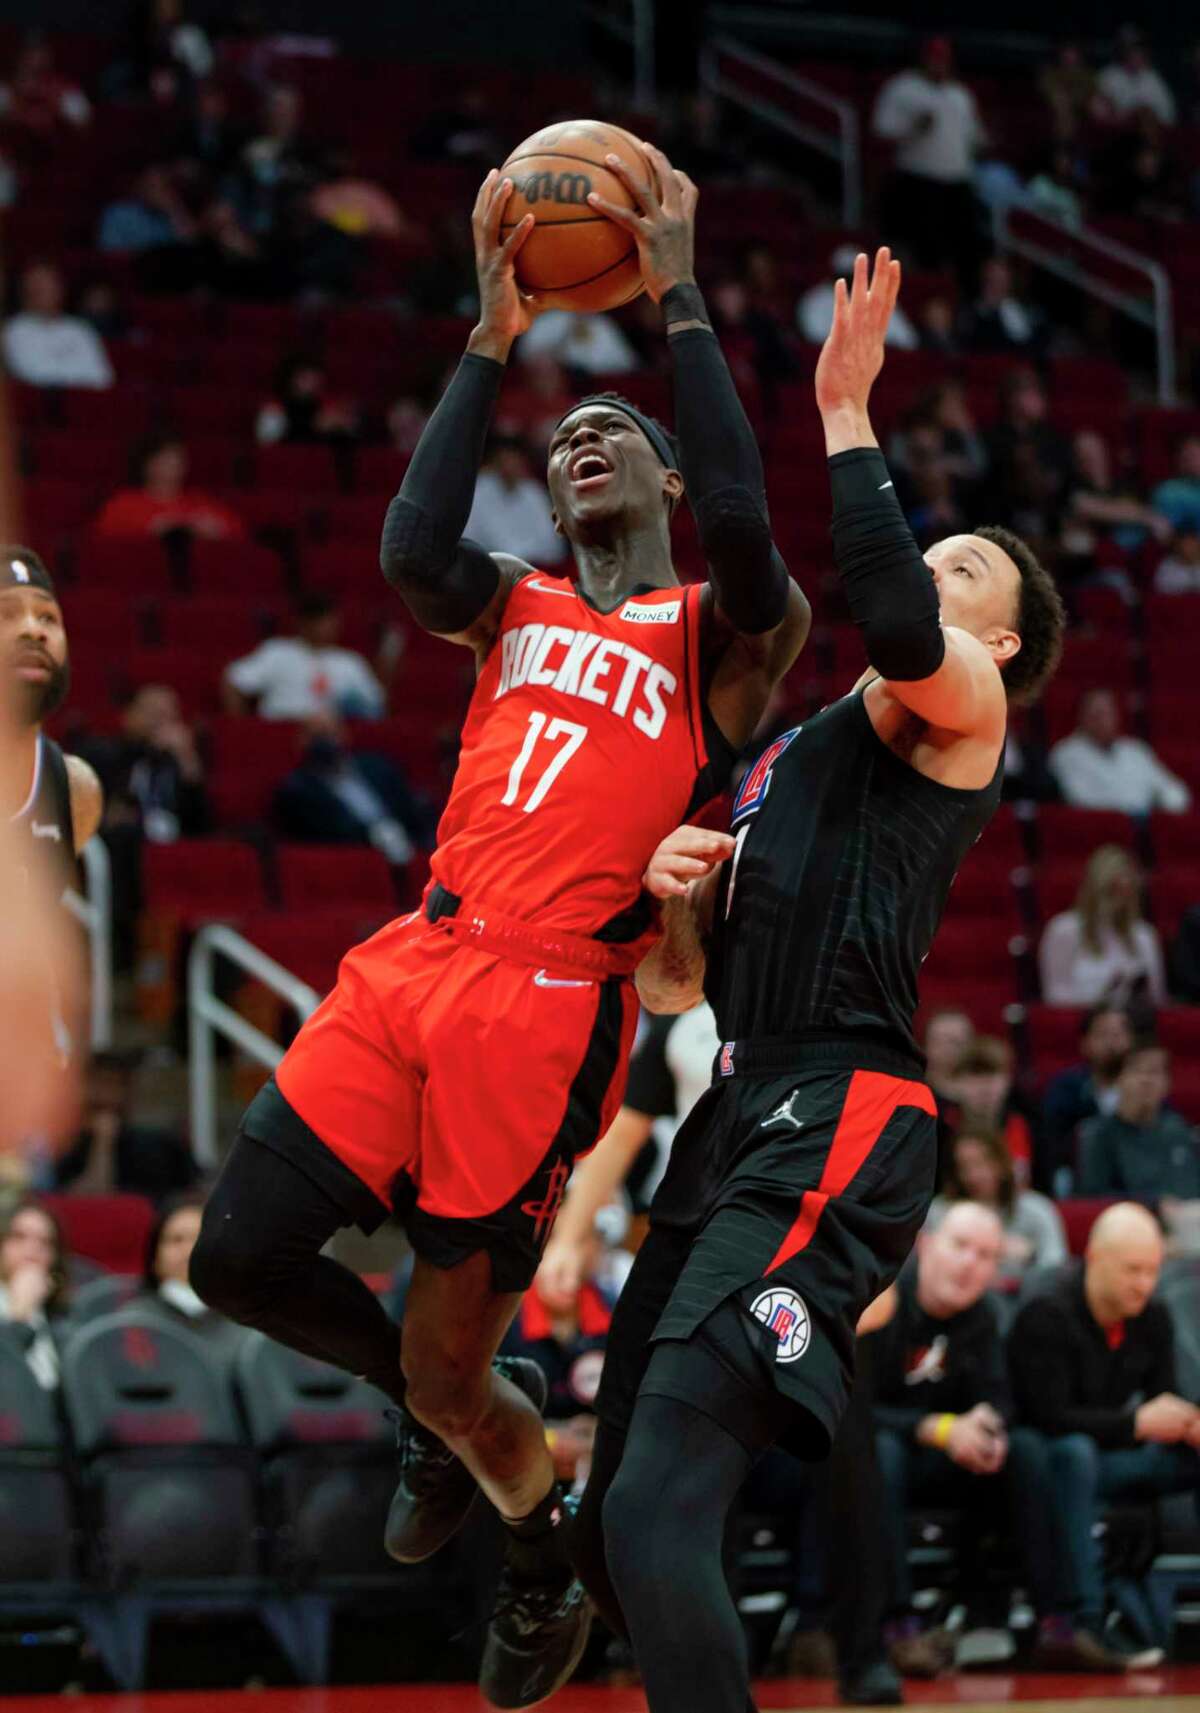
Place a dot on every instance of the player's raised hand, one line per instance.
(662, 220)
(852, 355)
(504, 309)
(687, 854)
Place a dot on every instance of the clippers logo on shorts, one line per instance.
(543, 1213)
(596, 669)
(667, 614)
(752, 793)
(784, 1314)
(727, 1058)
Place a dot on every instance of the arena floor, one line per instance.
(1176, 1690)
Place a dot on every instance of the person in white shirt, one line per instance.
(1131, 85)
(1097, 768)
(934, 123)
(1179, 572)
(295, 677)
(591, 344)
(46, 348)
(1102, 951)
(814, 312)
(511, 512)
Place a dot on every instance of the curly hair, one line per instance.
(1040, 622)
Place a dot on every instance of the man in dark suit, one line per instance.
(338, 796)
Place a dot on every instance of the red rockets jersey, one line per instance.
(582, 748)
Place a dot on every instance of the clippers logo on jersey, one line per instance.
(784, 1314)
(667, 614)
(727, 1059)
(752, 793)
(595, 668)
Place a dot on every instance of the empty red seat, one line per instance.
(314, 877)
(245, 742)
(230, 624)
(199, 880)
(127, 569)
(1066, 832)
(111, 1230)
(310, 469)
(243, 568)
(310, 944)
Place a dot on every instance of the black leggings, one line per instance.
(258, 1260)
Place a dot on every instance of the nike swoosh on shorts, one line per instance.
(541, 979)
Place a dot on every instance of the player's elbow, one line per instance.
(667, 999)
(749, 576)
(903, 650)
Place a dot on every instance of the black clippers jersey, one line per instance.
(45, 819)
(845, 857)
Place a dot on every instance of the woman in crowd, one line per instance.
(1103, 949)
(33, 1286)
(981, 1169)
(165, 1287)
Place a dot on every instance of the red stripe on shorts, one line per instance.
(871, 1100)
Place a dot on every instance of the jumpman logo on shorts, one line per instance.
(544, 1212)
(783, 1113)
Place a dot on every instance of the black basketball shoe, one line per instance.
(436, 1490)
(536, 1638)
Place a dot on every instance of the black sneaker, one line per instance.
(436, 1491)
(874, 1685)
(535, 1640)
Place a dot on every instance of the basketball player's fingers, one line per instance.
(666, 178)
(517, 237)
(841, 307)
(625, 217)
(689, 192)
(482, 195)
(645, 196)
(495, 210)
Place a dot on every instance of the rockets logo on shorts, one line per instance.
(784, 1314)
(752, 793)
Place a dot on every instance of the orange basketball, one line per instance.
(574, 258)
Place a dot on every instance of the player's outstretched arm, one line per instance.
(451, 586)
(718, 454)
(946, 677)
(683, 874)
(594, 1183)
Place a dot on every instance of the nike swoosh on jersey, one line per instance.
(882, 486)
(541, 979)
(567, 594)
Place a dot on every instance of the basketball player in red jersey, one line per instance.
(471, 1051)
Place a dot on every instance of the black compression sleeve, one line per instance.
(446, 581)
(892, 596)
(723, 473)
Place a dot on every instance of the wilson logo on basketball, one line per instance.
(572, 187)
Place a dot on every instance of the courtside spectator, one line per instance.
(999, 319)
(111, 1153)
(1141, 1148)
(1103, 950)
(586, 344)
(949, 1033)
(45, 347)
(1087, 1090)
(304, 409)
(1099, 768)
(511, 510)
(166, 1289)
(933, 121)
(36, 99)
(1178, 572)
(342, 796)
(1131, 85)
(981, 1170)
(162, 502)
(33, 1287)
(814, 312)
(1178, 498)
(1093, 1368)
(296, 677)
(985, 1092)
(153, 768)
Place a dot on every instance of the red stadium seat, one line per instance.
(310, 944)
(314, 877)
(202, 880)
(194, 673)
(1064, 832)
(243, 741)
(229, 624)
(110, 1230)
(1079, 1214)
(310, 469)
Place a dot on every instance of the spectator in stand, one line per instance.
(1141, 177)
(1068, 85)
(814, 312)
(297, 677)
(537, 403)
(925, 486)
(511, 511)
(583, 344)
(103, 309)
(937, 327)
(1093, 1369)
(209, 142)
(1087, 1090)
(45, 347)
(359, 207)
(757, 347)
(466, 133)
(1057, 189)
(942, 1407)
(165, 1287)
(111, 1153)
(1097, 768)
(981, 1171)
(1131, 85)
(303, 411)
(1000, 320)
(697, 140)
(1178, 498)
(1178, 572)
(160, 502)
(177, 54)
(1029, 461)
(36, 99)
(1141, 1148)
(276, 167)
(1102, 950)
(34, 1292)
(406, 419)
(983, 1083)
(153, 217)
(340, 796)
(940, 431)
(1102, 506)
(949, 1034)
(934, 123)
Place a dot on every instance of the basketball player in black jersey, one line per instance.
(798, 1184)
(55, 800)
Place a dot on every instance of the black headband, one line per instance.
(22, 570)
(651, 430)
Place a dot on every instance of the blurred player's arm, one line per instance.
(87, 800)
(946, 677)
(450, 585)
(683, 873)
(765, 613)
(594, 1184)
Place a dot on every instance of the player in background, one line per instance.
(472, 1050)
(797, 1186)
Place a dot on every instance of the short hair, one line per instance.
(1106, 1008)
(1146, 1044)
(1040, 622)
(987, 1053)
(314, 604)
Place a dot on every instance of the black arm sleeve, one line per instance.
(892, 597)
(445, 581)
(723, 474)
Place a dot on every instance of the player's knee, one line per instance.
(447, 1400)
(636, 1525)
(226, 1273)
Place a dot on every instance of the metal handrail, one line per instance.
(638, 36)
(209, 1016)
(94, 912)
(1158, 315)
(845, 148)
